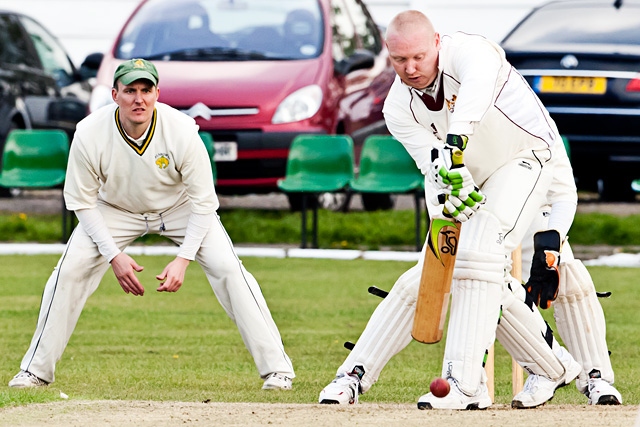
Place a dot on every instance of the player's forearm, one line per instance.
(561, 218)
(197, 228)
(93, 223)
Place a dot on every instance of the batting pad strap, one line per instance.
(475, 265)
(581, 323)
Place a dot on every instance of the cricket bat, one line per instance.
(435, 283)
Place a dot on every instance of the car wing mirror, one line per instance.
(90, 66)
(359, 60)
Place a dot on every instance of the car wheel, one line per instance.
(613, 190)
(377, 202)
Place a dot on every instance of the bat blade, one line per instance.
(435, 283)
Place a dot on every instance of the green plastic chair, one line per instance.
(207, 139)
(567, 147)
(37, 159)
(317, 164)
(387, 167)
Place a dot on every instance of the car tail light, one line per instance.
(634, 85)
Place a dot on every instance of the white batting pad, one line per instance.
(475, 310)
(581, 322)
(478, 282)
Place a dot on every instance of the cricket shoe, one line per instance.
(456, 399)
(601, 392)
(343, 390)
(276, 381)
(25, 379)
(538, 390)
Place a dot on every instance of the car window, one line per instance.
(364, 26)
(345, 41)
(13, 45)
(52, 56)
(224, 30)
(588, 24)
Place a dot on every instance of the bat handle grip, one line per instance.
(457, 158)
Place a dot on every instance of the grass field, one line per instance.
(183, 347)
(394, 229)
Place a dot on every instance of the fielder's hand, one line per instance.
(124, 267)
(544, 279)
(172, 276)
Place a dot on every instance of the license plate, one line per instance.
(225, 151)
(570, 84)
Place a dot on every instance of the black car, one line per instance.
(582, 58)
(40, 88)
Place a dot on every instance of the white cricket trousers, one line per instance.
(81, 268)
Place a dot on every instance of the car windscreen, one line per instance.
(595, 24)
(224, 30)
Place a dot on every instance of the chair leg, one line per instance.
(347, 201)
(303, 215)
(315, 226)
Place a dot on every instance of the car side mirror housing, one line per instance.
(359, 60)
(90, 66)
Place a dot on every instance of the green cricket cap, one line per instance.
(135, 69)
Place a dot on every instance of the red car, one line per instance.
(256, 73)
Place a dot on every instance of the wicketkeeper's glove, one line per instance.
(544, 278)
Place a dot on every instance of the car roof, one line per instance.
(587, 25)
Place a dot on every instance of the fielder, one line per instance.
(459, 91)
(565, 283)
(138, 167)
(552, 275)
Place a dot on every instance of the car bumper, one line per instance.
(261, 160)
(603, 141)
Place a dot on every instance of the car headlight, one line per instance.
(300, 105)
(100, 96)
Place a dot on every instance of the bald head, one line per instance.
(409, 22)
(413, 48)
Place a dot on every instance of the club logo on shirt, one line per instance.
(451, 105)
(162, 160)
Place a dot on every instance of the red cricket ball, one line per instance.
(439, 387)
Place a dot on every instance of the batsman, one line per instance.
(452, 93)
